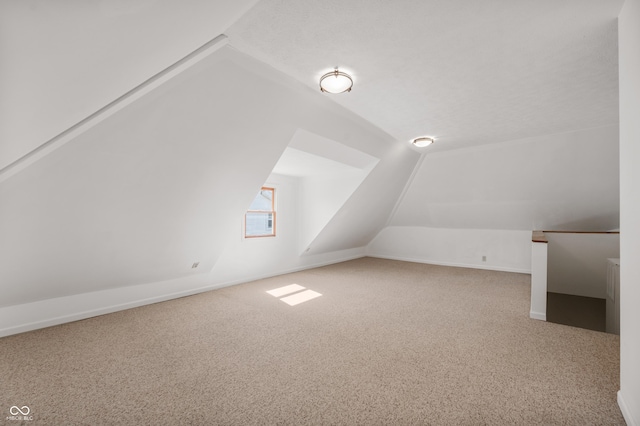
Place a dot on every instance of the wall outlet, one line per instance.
(484, 258)
(195, 265)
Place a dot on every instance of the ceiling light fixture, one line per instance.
(423, 141)
(336, 82)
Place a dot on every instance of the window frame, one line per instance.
(272, 212)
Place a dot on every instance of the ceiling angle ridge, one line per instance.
(403, 194)
(512, 142)
(114, 106)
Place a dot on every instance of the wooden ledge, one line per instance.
(538, 237)
(580, 232)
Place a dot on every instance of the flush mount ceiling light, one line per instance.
(336, 82)
(423, 141)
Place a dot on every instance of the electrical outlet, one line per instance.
(195, 265)
(484, 258)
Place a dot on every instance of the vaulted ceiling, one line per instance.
(64, 60)
(468, 73)
(162, 182)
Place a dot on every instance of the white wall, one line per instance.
(146, 193)
(629, 53)
(366, 212)
(330, 173)
(577, 263)
(322, 196)
(250, 258)
(242, 260)
(505, 250)
(163, 183)
(465, 204)
(539, 259)
(262, 255)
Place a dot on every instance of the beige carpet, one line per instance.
(387, 343)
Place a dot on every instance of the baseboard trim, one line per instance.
(625, 411)
(47, 313)
(51, 312)
(537, 315)
(454, 264)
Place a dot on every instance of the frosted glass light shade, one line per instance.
(336, 82)
(422, 141)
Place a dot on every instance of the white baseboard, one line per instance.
(625, 411)
(46, 313)
(537, 316)
(454, 264)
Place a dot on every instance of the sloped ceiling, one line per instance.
(330, 173)
(471, 74)
(563, 182)
(144, 194)
(131, 200)
(466, 72)
(294, 162)
(162, 183)
(63, 60)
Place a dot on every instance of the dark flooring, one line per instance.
(577, 311)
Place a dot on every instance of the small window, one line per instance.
(260, 220)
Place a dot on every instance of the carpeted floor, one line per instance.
(387, 343)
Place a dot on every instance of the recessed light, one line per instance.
(336, 82)
(423, 141)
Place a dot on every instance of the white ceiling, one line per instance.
(555, 182)
(294, 162)
(63, 60)
(466, 72)
(309, 154)
(131, 200)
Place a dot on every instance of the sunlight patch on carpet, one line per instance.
(301, 297)
(288, 289)
(295, 294)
